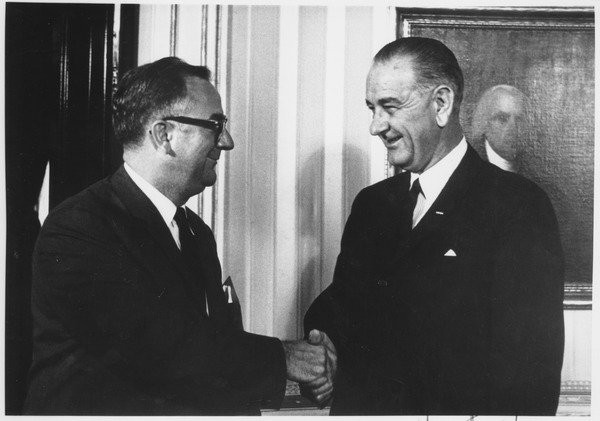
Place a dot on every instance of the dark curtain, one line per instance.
(59, 81)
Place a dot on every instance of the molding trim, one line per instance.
(576, 387)
(575, 398)
(204, 35)
(578, 296)
(453, 21)
(504, 17)
(173, 30)
(115, 47)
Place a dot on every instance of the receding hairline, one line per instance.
(421, 80)
(505, 89)
(395, 59)
(403, 61)
(206, 88)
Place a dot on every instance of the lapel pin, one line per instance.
(439, 213)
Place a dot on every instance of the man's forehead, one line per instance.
(393, 71)
(401, 65)
(510, 102)
(390, 78)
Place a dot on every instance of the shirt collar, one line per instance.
(497, 160)
(165, 207)
(435, 178)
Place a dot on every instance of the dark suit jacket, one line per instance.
(420, 332)
(118, 327)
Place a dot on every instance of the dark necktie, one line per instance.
(189, 252)
(413, 194)
(185, 235)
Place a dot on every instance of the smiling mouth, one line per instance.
(392, 143)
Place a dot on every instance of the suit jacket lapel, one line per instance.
(146, 213)
(398, 198)
(210, 270)
(438, 221)
(151, 240)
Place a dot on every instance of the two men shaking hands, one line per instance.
(313, 364)
(446, 297)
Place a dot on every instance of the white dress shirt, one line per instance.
(434, 179)
(497, 160)
(165, 207)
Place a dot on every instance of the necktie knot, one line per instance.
(415, 190)
(185, 233)
(413, 194)
(182, 221)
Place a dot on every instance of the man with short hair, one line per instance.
(129, 314)
(447, 293)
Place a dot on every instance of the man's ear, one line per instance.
(161, 133)
(444, 104)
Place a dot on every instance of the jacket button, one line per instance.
(382, 283)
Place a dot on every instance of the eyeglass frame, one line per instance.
(218, 126)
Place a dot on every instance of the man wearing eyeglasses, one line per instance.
(129, 314)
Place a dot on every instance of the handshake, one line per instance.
(313, 364)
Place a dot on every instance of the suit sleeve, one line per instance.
(527, 329)
(87, 283)
(341, 308)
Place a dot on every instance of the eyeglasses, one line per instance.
(218, 126)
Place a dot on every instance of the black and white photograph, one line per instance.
(299, 209)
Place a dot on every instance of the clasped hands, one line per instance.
(313, 364)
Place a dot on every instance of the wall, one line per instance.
(303, 151)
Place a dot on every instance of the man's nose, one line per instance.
(379, 124)
(225, 142)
